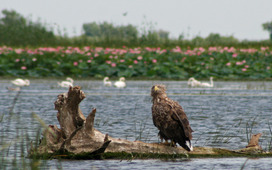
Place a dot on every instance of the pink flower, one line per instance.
(17, 60)
(228, 64)
(139, 57)
(121, 61)
(23, 68)
(108, 62)
(234, 55)
(244, 69)
(89, 61)
(211, 58)
(113, 65)
(212, 48)
(58, 62)
(110, 56)
(264, 48)
(96, 55)
(130, 66)
(154, 61)
(18, 51)
(268, 68)
(80, 61)
(34, 59)
(246, 66)
(75, 63)
(239, 63)
(201, 49)
(135, 62)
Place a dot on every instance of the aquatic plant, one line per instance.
(223, 63)
(177, 63)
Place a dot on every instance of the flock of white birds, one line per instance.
(121, 83)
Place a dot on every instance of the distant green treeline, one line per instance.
(17, 31)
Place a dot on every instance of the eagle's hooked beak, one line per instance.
(156, 88)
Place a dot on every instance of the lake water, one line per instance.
(223, 116)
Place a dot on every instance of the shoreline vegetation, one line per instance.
(224, 63)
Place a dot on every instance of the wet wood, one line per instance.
(254, 141)
(77, 136)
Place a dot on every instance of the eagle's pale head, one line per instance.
(158, 90)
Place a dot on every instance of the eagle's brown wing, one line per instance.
(179, 115)
(182, 132)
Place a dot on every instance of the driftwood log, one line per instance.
(77, 136)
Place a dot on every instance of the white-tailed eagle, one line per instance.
(170, 118)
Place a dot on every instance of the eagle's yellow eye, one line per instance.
(156, 88)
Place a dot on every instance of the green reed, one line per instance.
(15, 147)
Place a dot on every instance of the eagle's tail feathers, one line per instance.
(188, 146)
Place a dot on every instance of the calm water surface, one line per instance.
(223, 116)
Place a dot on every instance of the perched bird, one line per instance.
(169, 117)
(195, 83)
(20, 82)
(107, 82)
(120, 83)
(69, 82)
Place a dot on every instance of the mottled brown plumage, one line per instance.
(170, 118)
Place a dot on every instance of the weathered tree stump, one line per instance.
(77, 136)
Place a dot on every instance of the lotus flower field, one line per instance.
(176, 63)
